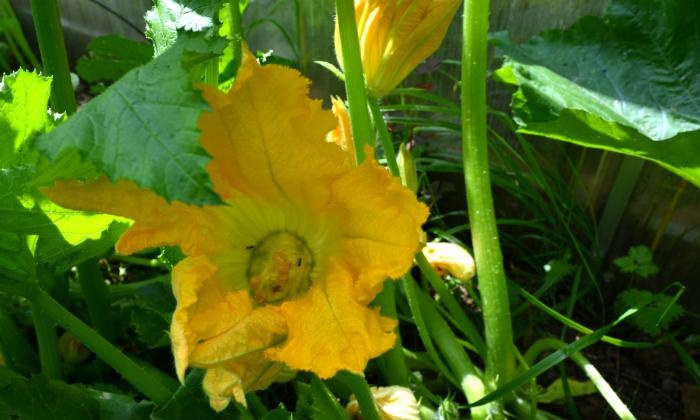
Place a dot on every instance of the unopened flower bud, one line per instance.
(407, 168)
(393, 403)
(449, 258)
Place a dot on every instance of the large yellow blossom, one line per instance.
(396, 36)
(280, 277)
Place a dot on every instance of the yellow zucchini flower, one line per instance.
(280, 277)
(396, 36)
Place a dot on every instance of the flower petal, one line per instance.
(342, 134)
(212, 325)
(381, 226)
(330, 331)
(157, 221)
(233, 380)
(188, 278)
(259, 329)
(221, 385)
(265, 137)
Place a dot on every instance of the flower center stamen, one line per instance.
(279, 267)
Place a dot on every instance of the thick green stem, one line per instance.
(354, 78)
(500, 360)
(144, 381)
(359, 387)
(384, 136)
(49, 34)
(96, 294)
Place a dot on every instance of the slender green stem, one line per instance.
(255, 406)
(302, 48)
(431, 327)
(96, 294)
(15, 30)
(211, 72)
(593, 374)
(358, 102)
(359, 387)
(500, 360)
(415, 303)
(145, 262)
(465, 324)
(580, 328)
(236, 26)
(118, 291)
(143, 380)
(325, 400)
(393, 364)
(44, 327)
(354, 78)
(45, 330)
(13, 46)
(14, 346)
(49, 34)
(384, 136)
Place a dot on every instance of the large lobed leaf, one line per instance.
(144, 127)
(109, 57)
(627, 82)
(39, 397)
(24, 98)
(33, 229)
(168, 16)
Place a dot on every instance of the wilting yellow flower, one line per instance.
(278, 278)
(397, 35)
(447, 257)
(393, 402)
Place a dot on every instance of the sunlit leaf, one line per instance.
(626, 82)
(24, 98)
(144, 127)
(62, 237)
(168, 16)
